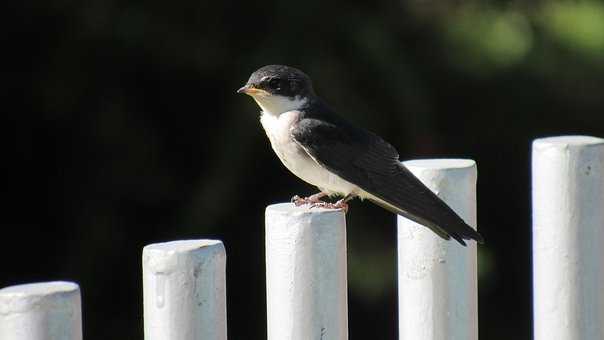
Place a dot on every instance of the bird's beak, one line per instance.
(244, 89)
(252, 91)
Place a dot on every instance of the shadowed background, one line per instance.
(125, 129)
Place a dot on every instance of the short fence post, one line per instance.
(41, 311)
(568, 238)
(437, 279)
(306, 284)
(184, 290)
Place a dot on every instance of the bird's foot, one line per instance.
(326, 205)
(315, 202)
(312, 199)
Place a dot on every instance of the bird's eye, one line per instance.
(274, 83)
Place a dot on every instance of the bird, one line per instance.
(340, 159)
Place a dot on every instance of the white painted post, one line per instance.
(568, 238)
(437, 279)
(306, 285)
(184, 290)
(41, 311)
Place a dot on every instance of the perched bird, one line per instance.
(325, 150)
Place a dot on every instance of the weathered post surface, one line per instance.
(41, 311)
(306, 283)
(437, 279)
(568, 238)
(184, 290)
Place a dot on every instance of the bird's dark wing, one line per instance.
(366, 160)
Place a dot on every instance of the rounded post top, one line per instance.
(39, 289)
(567, 141)
(182, 246)
(22, 298)
(440, 163)
(292, 209)
(166, 257)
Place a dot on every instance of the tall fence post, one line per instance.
(568, 238)
(184, 290)
(41, 311)
(306, 284)
(437, 279)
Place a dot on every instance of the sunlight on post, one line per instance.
(41, 311)
(306, 284)
(437, 279)
(184, 290)
(568, 238)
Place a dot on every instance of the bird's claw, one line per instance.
(298, 201)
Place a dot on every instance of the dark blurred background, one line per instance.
(125, 129)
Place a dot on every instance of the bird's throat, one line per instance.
(276, 105)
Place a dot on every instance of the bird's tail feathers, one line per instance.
(462, 233)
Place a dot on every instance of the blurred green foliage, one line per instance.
(576, 26)
(486, 41)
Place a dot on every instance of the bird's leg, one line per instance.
(312, 199)
(343, 203)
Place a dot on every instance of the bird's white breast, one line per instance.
(278, 128)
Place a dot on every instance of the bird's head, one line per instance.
(278, 88)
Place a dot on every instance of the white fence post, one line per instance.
(568, 238)
(306, 285)
(437, 279)
(184, 290)
(41, 311)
